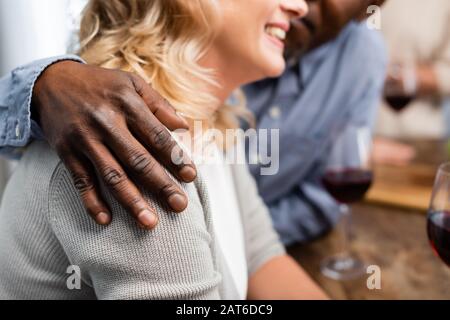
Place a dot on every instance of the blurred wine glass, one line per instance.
(438, 225)
(401, 84)
(347, 178)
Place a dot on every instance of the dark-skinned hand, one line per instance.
(111, 125)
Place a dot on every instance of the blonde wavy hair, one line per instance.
(162, 41)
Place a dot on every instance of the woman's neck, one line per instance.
(224, 77)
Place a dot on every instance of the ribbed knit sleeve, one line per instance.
(122, 261)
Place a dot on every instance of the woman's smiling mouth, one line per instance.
(277, 33)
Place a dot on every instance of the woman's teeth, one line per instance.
(276, 32)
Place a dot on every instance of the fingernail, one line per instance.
(188, 174)
(103, 218)
(148, 219)
(177, 202)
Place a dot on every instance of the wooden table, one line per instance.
(409, 186)
(391, 237)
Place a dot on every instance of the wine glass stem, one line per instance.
(346, 229)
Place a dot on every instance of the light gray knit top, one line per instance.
(44, 230)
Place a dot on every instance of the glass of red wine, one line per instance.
(401, 85)
(347, 178)
(438, 225)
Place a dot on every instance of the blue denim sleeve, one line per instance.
(304, 214)
(17, 128)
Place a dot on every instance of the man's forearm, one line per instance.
(16, 126)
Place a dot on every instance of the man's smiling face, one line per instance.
(325, 20)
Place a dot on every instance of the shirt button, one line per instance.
(275, 113)
(17, 131)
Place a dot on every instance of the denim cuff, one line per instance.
(19, 129)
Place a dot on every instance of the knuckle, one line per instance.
(161, 138)
(123, 92)
(82, 183)
(113, 178)
(135, 79)
(164, 104)
(167, 190)
(104, 114)
(106, 118)
(127, 82)
(122, 81)
(118, 91)
(129, 103)
(159, 103)
(142, 163)
(152, 97)
(136, 201)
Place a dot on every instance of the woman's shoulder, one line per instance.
(33, 175)
(176, 260)
(41, 167)
(40, 157)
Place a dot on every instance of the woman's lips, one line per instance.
(277, 33)
(275, 41)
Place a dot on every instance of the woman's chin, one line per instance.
(272, 67)
(275, 68)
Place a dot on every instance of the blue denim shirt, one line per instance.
(336, 84)
(16, 88)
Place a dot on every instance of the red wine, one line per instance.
(348, 186)
(398, 103)
(439, 234)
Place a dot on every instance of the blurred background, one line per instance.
(25, 36)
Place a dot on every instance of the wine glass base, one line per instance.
(343, 268)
